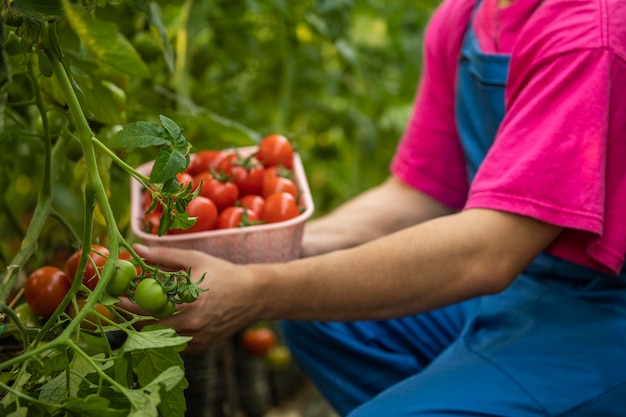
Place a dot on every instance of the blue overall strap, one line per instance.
(479, 100)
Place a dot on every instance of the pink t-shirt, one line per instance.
(560, 153)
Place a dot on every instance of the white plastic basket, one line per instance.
(274, 242)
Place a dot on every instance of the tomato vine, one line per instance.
(142, 373)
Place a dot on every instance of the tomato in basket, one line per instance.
(231, 180)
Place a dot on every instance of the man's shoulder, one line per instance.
(448, 24)
(563, 26)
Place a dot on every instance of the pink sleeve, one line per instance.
(559, 156)
(429, 156)
(549, 154)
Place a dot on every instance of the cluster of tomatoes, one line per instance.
(46, 286)
(236, 190)
(260, 340)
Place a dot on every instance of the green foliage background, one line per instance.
(336, 76)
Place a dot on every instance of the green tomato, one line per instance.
(278, 357)
(93, 344)
(167, 311)
(150, 295)
(27, 316)
(125, 272)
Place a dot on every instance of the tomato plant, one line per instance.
(64, 184)
(45, 288)
(258, 340)
(90, 89)
(279, 207)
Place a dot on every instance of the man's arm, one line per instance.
(430, 265)
(377, 212)
(433, 264)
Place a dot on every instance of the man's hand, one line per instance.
(218, 312)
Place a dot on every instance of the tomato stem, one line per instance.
(145, 181)
(44, 198)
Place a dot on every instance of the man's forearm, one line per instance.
(385, 209)
(430, 265)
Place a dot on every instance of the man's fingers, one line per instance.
(169, 257)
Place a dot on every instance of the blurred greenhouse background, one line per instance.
(335, 76)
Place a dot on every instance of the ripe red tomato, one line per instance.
(249, 177)
(206, 213)
(275, 150)
(279, 207)
(236, 216)
(227, 163)
(126, 256)
(98, 257)
(151, 222)
(90, 322)
(184, 179)
(45, 288)
(147, 202)
(258, 340)
(253, 202)
(279, 184)
(206, 160)
(222, 193)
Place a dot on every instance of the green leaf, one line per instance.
(92, 406)
(139, 135)
(105, 41)
(169, 377)
(62, 387)
(154, 337)
(154, 17)
(146, 403)
(182, 221)
(170, 186)
(44, 63)
(174, 130)
(20, 412)
(98, 95)
(163, 367)
(29, 33)
(42, 10)
(167, 164)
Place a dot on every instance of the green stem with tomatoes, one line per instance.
(44, 198)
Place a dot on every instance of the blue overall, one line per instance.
(552, 344)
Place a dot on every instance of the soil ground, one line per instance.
(307, 402)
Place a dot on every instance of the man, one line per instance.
(493, 282)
